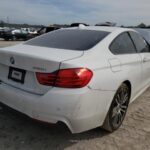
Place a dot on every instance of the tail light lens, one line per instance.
(66, 78)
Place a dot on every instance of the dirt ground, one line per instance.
(8, 43)
(18, 132)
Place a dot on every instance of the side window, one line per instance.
(140, 43)
(122, 45)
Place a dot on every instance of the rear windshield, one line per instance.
(69, 39)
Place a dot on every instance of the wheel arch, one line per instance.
(128, 83)
(106, 122)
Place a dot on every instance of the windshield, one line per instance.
(69, 39)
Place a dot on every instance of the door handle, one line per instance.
(146, 59)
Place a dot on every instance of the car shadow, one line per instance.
(18, 131)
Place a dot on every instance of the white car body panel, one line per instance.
(26, 55)
(80, 109)
(75, 108)
(32, 59)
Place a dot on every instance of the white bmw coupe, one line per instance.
(84, 77)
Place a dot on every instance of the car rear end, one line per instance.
(33, 82)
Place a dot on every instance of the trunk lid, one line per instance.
(31, 59)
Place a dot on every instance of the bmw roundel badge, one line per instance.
(12, 60)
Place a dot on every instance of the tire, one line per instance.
(118, 109)
(6, 39)
(13, 38)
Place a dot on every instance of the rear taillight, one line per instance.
(66, 78)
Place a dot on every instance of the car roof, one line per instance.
(102, 28)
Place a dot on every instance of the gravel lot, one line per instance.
(8, 43)
(18, 132)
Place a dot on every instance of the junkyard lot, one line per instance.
(18, 132)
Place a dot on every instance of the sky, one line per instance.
(45, 12)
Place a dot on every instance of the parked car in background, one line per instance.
(47, 29)
(77, 24)
(109, 24)
(30, 31)
(15, 34)
(84, 77)
(1, 31)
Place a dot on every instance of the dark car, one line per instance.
(77, 24)
(107, 24)
(47, 29)
(16, 34)
(1, 31)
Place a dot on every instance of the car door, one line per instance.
(130, 62)
(143, 49)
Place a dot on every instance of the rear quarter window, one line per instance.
(69, 39)
(122, 45)
(140, 43)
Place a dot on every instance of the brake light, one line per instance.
(66, 78)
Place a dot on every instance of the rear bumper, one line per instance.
(80, 109)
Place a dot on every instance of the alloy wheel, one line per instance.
(119, 107)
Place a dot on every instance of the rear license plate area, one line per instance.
(16, 74)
